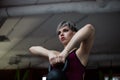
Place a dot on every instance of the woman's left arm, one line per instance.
(81, 37)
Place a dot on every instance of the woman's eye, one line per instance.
(66, 30)
(58, 33)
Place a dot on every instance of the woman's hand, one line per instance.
(56, 57)
(53, 57)
(61, 58)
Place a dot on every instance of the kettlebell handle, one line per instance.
(63, 69)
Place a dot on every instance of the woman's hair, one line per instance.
(70, 24)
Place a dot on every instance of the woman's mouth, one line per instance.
(62, 38)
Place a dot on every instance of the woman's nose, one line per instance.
(61, 34)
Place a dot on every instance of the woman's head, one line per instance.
(65, 31)
(70, 24)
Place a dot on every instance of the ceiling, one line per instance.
(24, 23)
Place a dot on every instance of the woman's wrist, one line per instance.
(65, 53)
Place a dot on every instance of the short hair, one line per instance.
(70, 24)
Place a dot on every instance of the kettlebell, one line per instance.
(58, 72)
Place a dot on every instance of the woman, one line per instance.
(77, 56)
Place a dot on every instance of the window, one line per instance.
(114, 78)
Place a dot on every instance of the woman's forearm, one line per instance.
(80, 36)
(38, 50)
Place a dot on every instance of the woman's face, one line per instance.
(65, 34)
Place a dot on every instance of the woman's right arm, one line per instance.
(50, 54)
(39, 50)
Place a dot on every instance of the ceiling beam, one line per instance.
(80, 7)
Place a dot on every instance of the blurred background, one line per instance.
(26, 23)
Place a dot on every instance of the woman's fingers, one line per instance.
(57, 59)
(52, 61)
(62, 58)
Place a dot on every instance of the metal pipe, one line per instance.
(105, 57)
(80, 7)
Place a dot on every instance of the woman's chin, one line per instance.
(64, 43)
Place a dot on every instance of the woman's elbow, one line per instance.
(32, 49)
(91, 28)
